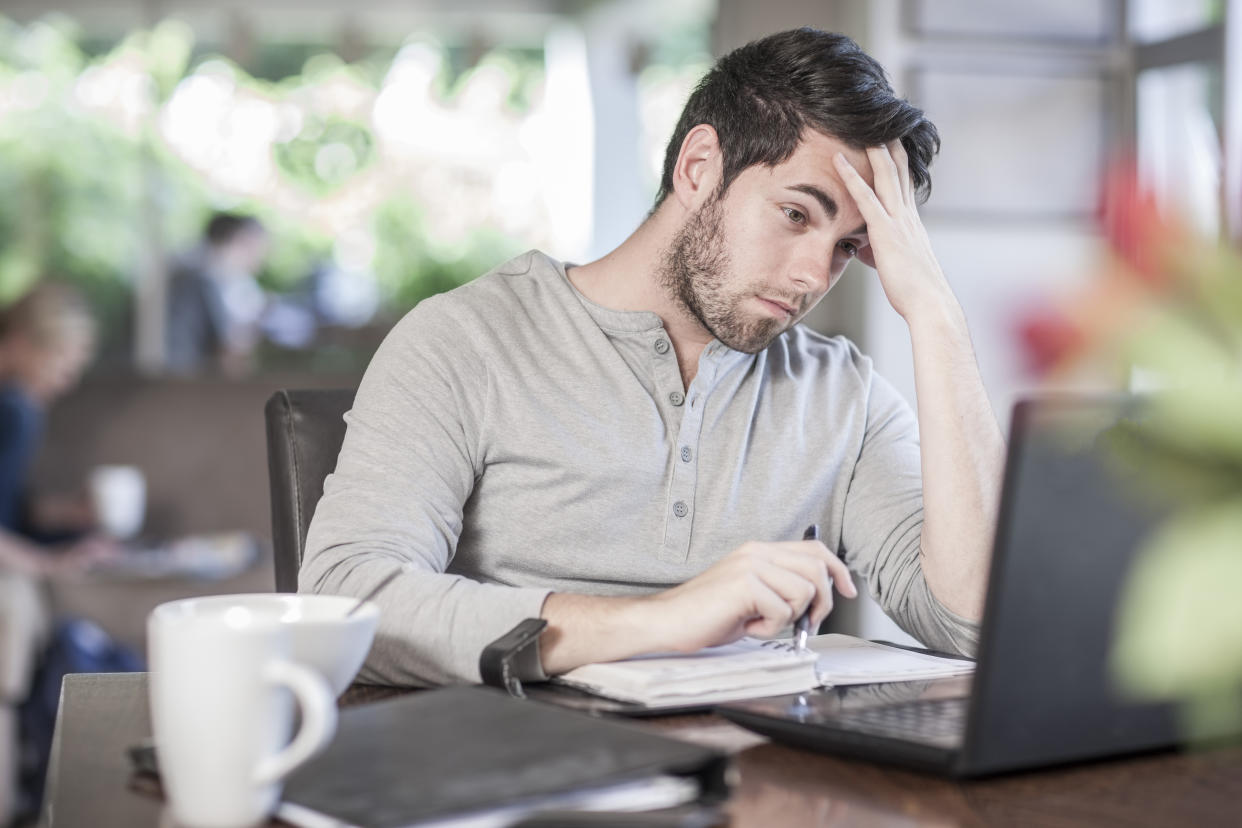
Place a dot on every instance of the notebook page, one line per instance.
(747, 668)
(844, 659)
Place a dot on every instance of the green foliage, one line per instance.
(47, 45)
(90, 191)
(294, 257)
(326, 154)
(1180, 622)
(1180, 627)
(276, 61)
(166, 53)
(410, 268)
(75, 205)
(523, 66)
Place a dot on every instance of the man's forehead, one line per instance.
(821, 185)
(833, 204)
(810, 172)
(817, 149)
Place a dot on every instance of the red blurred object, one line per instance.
(1048, 338)
(1135, 227)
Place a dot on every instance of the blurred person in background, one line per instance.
(215, 304)
(47, 338)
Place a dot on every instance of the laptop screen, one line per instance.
(1073, 519)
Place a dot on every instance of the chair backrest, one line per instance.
(305, 430)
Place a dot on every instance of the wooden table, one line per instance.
(90, 784)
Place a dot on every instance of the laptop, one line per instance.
(1071, 524)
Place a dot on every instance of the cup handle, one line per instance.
(318, 719)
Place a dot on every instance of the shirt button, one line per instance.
(661, 346)
(677, 398)
(680, 509)
(686, 454)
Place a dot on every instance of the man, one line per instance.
(629, 448)
(214, 301)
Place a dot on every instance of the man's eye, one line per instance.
(850, 248)
(794, 215)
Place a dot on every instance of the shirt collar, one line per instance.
(619, 321)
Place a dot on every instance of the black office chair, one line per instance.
(305, 430)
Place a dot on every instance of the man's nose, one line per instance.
(812, 272)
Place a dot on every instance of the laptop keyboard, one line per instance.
(939, 722)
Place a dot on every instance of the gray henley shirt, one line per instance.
(511, 438)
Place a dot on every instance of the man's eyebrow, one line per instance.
(826, 201)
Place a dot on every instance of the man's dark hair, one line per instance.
(223, 227)
(763, 96)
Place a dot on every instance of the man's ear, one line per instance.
(699, 167)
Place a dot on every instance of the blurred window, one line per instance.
(1179, 140)
(1182, 54)
(1153, 20)
(413, 167)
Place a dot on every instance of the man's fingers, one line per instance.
(791, 556)
(887, 179)
(798, 591)
(802, 573)
(841, 575)
(902, 160)
(775, 614)
(866, 199)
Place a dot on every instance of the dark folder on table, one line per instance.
(448, 753)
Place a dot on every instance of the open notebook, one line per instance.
(752, 668)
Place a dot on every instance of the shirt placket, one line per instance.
(684, 480)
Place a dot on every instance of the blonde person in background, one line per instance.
(47, 338)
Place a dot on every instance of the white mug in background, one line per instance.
(220, 714)
(119, 494)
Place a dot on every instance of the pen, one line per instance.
(802, 627)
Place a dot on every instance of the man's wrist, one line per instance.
(649, 618)
(939, 315)
(583, 629)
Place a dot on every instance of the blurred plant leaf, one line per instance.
(326, 154)
(1168, 471)
(1180, 618)
(168, 50)
(1200, 413)
(1186, 580)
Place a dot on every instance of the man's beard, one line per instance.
(696, 273)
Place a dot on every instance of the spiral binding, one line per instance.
(776, 644)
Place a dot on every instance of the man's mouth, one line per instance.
(778, 308)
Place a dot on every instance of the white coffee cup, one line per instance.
(220, 712)
(119, 494)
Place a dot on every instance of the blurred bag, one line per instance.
(77, 646)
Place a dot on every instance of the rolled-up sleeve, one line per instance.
(406, 469)
(882, 524)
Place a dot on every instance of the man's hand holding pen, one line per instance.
(757, 589)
